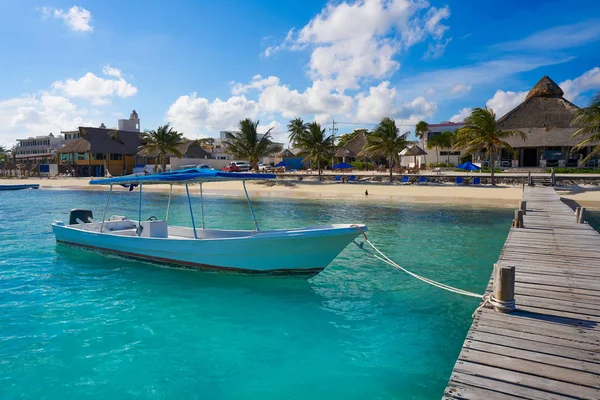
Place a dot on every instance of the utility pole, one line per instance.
(333, 130)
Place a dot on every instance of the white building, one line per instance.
(39, 146)
(441, 155)
(131, 125)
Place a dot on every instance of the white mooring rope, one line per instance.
(486, 298)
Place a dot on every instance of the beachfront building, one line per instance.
(39, 148)
(98, 150)
(545, 116)
(441, 155)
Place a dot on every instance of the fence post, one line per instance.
(504, 286)
(524, 207)
(518, 221)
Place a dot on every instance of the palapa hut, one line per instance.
(98, 149)
(353, 151)
(545, 116)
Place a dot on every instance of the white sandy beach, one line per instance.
(503, 196)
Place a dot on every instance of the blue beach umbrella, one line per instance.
(468, 166)
(343, 166)
(282, 164)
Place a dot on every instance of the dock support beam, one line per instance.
(579, 213)
(504, 287)
(518, 221)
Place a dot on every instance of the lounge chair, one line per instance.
(476, 182)
(352, 178)
(404, 179)
(460, 180)
(422, 179)
(337, 178)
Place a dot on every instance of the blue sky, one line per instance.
(204, 65)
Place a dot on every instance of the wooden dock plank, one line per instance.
(550, 347)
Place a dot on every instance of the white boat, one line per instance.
(305, 251)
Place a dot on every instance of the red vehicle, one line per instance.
(236, 166)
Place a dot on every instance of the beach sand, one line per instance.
(499, 196)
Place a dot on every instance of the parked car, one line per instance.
(203, 166)
(264, 167)
(237, 166)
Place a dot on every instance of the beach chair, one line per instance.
(476, 182)
(404, 179)
(460, 180)
(352, 178)
(422, 179)
(337, 178)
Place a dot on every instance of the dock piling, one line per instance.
(579, 213)
(524, 207)
(504, 285)
(518, 221)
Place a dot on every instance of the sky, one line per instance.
(202, 65)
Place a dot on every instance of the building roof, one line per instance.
(356, 144)
(545, 115)
(344, 152)
(98, 140)
(445, 124)
(189, 149)
(285, 153)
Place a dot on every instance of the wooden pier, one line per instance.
(549, 347)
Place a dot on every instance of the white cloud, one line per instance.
(379, 103)
(459, 88)
(437, 49)
(503, 102)
(191, 114)
(39, 114)
(76, 18)
(588, 81)
(257, 83)
(462, 114)
(351, 41)
(96, 89)
(110, 71)
(556, 38)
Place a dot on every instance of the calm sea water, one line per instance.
(77, 324)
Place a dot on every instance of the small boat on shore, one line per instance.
(20, 187)
(305, 251)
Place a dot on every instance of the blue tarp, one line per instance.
(342, 166)
(282, 164)
(181, 176)
(468, 166)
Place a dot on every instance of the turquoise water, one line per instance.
(77, 324)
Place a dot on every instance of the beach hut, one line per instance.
(413, 150)
(291, 160)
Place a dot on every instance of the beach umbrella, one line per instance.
(343, 166)
(468, 166)
(282, 164)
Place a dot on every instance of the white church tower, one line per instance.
(132, 124)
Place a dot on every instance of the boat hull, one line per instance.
(20, 187)
(304, 251)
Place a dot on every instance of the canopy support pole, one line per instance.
(106, 208)
(169, 203)
(202, 204)
(187, 190)
(250, 206)
(139, 229)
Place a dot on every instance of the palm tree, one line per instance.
(316, 147)
(421, 130)
(588, 120)
(386, 139)
(481, 133)
(297, 127)
(248, 144)
(435, 142)
(162, 142)
(446, 141)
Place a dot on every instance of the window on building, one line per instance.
(82, 156)
(449, 153)
(98, 156)
(116, 157)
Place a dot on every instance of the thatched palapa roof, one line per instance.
(344, 152)
(545, 115)
(188, 148)
(285, 153)
(99, 140)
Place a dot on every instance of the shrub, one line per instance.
(575, 170)
(361, 165)
(441, 165)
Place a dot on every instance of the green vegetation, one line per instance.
(316, 147)
(362, 165)
(575, 170)
(441, 165)
(421, 129)
(386, 139)
(482, 134)
(247, 146)
(162, 142)
(296, 128)
(588, 120)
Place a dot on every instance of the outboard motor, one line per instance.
(84, 215)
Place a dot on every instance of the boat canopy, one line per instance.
(182, 176)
